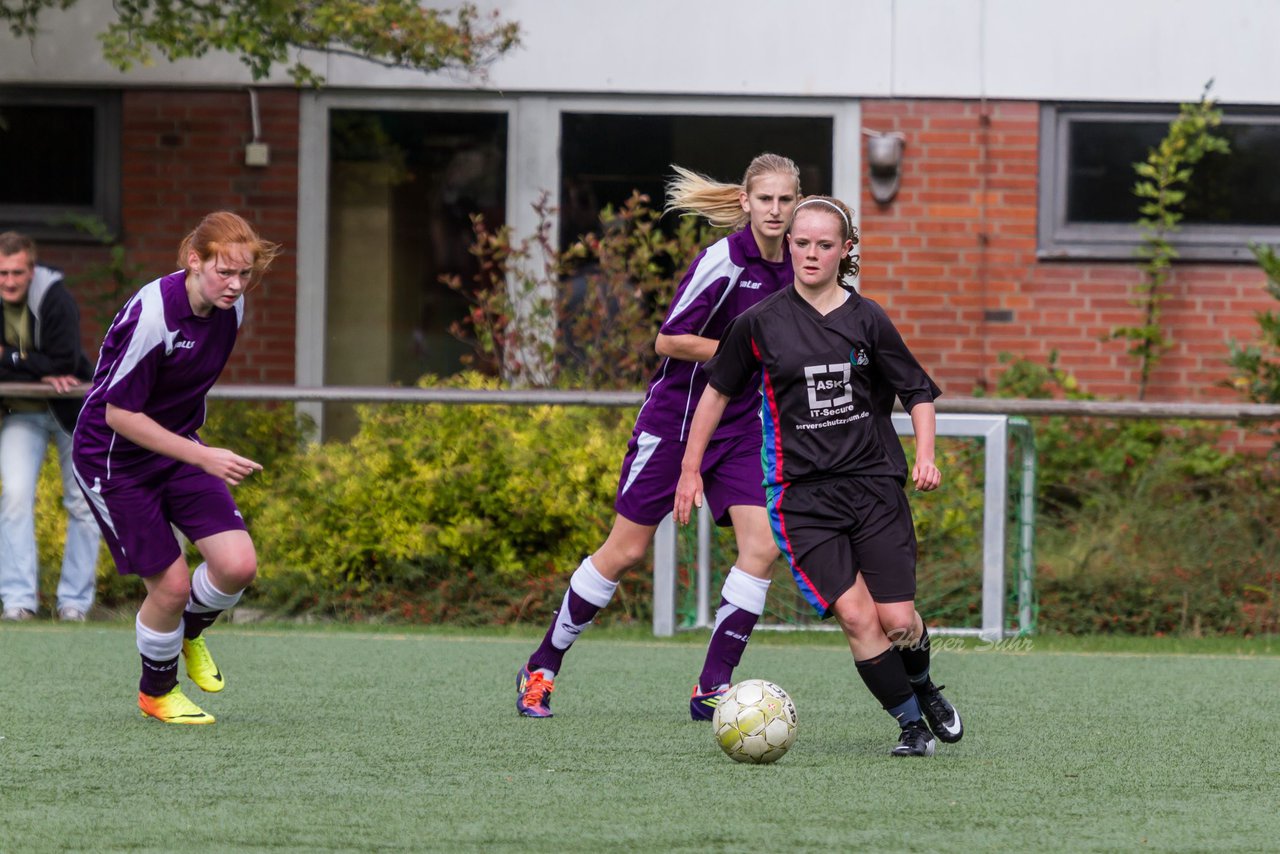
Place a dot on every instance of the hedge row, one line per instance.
(475, 515)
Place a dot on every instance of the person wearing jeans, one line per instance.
(40, 343)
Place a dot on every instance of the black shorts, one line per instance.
(832, 530)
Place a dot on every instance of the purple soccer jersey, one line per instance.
(159, 358)
(725, 280)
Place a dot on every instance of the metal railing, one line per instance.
(1245, 412)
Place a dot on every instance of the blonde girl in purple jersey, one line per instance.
(144, 470)
(728, 277)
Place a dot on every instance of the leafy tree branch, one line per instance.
(265, 34)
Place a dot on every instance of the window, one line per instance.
(403, 185)
(68, 145)
(1087, 206)
(607, 156)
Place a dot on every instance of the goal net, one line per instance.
(976, 544)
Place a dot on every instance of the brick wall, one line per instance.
(959, 242)
(182, 157)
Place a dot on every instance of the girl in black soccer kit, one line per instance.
(831, 363)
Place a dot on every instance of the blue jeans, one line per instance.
(24, 439)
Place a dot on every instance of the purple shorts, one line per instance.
(732, 475)
(137, 517)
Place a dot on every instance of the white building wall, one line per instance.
(1104, 50)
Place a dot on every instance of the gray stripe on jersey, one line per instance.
(714, 266)
(148, 332)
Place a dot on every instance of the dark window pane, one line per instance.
(605, 157)
(403, 186)
(1242, 187)
(55, 146)
(1237, 189)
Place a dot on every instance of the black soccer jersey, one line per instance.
(827, 384)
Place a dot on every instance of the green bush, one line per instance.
(480, 499)
(1078, 458)
(475, 514)
(1147, 526)
(1166, 555)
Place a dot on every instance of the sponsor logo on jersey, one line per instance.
(828, 386)
(184, 345)
(750, 285)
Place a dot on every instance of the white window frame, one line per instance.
(533, 167)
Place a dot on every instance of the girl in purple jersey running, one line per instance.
(145, 471)
(830, 364)
(729, 276)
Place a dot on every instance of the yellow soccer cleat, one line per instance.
(173, 708)
(200, 666)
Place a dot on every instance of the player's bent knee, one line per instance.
(858, 624)
(171, 594)
(901, 636)
(234, 573)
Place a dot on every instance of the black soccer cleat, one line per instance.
(943, 718)
(915, 740)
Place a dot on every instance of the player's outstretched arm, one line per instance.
(705, 419)
(144, 431)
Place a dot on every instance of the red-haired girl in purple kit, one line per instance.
(145, 471)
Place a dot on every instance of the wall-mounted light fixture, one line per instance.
(256, 153)
(884, 161)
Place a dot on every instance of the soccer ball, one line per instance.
(755, 721)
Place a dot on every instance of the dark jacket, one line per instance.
(56, 350)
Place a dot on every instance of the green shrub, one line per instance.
(1078, 457)
(1167, 555)
(1146, 526)
(480, 498)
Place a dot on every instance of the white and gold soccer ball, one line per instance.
(755, 722)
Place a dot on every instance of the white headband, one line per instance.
(848, 227)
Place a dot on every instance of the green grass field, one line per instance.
(344, 739)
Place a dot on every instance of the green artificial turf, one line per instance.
(343, 739)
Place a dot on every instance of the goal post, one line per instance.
(1007, 565)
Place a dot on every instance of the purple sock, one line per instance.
(195, 622)
(728, 642)
(158, 677)
(548, 655)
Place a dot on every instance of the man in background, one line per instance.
(41, 343)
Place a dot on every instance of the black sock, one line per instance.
(158, 677)
(886, 679)
(915, 659)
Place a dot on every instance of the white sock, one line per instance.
(589, 585)
(205, 598)
(158, 646)
(745, 591)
